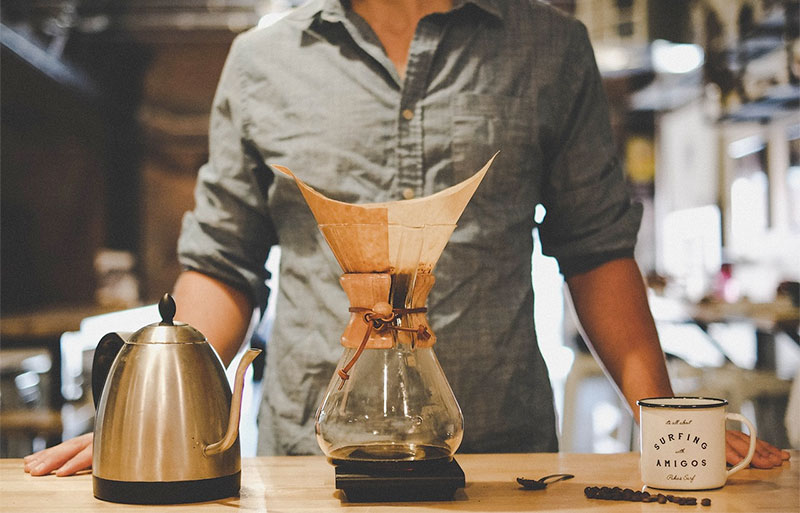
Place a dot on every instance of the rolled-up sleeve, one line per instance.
(590, 217)
(229, 232)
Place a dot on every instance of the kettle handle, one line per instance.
(104, 355)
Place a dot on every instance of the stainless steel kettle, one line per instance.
(166, 429)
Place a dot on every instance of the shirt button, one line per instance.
(408, 114)
(408, 193)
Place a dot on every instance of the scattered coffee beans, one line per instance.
(618, 494)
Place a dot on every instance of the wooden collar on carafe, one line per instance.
(374, 323)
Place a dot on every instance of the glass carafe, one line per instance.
(390, 402)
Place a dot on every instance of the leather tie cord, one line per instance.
(378, 318)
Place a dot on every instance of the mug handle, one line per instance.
(752, 450)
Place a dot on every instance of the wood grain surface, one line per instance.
(306, 484)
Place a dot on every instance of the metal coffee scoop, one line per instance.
(541, 483)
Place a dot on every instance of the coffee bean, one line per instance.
(616, 493)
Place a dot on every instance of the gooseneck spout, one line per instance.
(236, 407)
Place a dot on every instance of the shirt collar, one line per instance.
(333, 11)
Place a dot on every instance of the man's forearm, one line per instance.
(222, 313)
(611, 304)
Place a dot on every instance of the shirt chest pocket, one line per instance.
(482, 125)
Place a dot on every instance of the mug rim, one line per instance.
(651, 402)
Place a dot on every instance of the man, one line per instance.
(379, 100)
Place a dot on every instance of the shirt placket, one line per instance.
(410, 115)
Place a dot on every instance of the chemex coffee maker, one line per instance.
(389, 422)
(166, 429)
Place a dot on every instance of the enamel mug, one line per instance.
(683, 442)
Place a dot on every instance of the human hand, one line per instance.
(65, 458)
(766, 455)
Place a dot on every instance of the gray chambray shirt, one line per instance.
(317, 93)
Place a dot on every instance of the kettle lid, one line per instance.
(167, 331)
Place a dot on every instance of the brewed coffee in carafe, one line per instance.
(389, 402)
(389, 405)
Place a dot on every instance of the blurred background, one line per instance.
(104, 124)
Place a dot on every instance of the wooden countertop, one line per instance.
(306, 484)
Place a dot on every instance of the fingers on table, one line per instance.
(60, 457)
(81, 461)
(765, 456)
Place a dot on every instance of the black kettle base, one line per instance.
(167, 492)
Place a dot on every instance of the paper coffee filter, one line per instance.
(379, 237)
(386, 248)
(359, 248)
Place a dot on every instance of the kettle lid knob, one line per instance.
(168, 330)
(166, 308)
